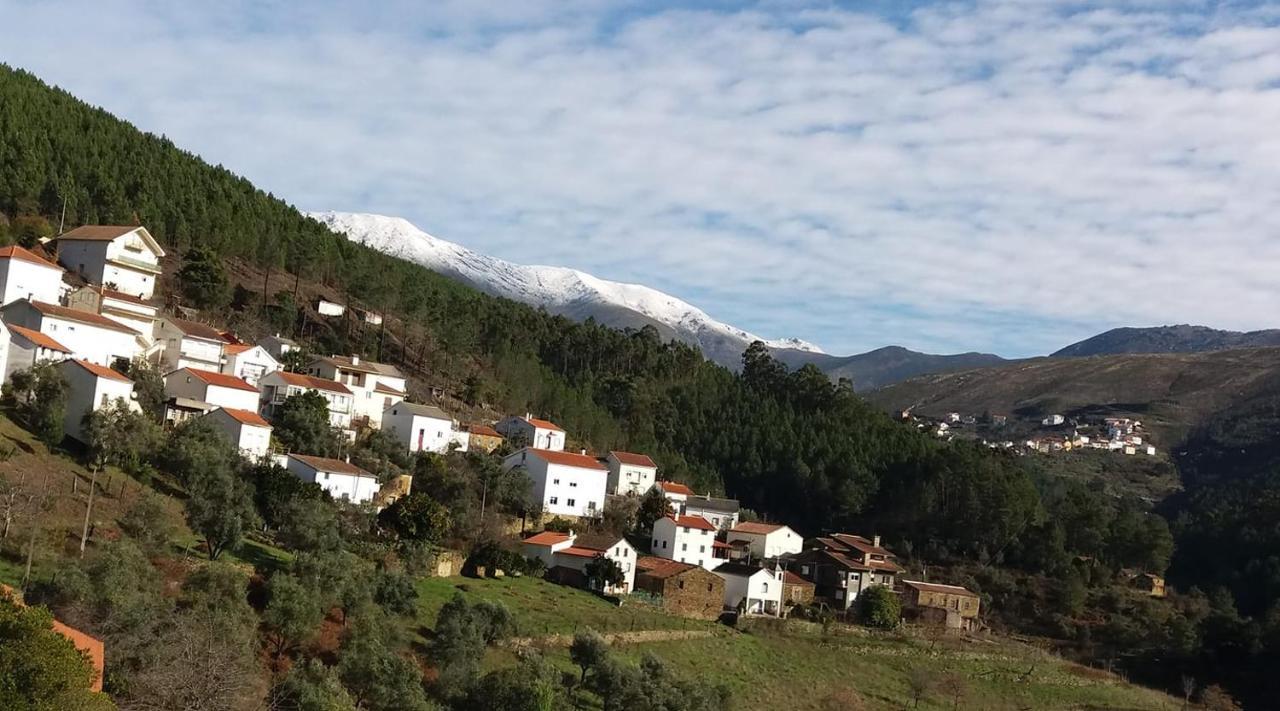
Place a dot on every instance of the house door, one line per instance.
(421, 433)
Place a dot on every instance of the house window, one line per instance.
(664, 545)
(573, 485)
(680, 584)
(764, 587)
(702, 549)
(710, 587)
(684, 547)
(569, 502)
(554, 500)
(655, 543)
(555, 481)
(804, 570)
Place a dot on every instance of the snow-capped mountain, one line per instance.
(559, 290)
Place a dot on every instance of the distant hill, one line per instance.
(1169, 339)
(888, 365)
(1172, 392)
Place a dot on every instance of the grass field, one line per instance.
(771, 666)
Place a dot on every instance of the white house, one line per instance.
(213, 388)
(688, 539)
(280, 385)
(766, 540)
(27, 347)
(1052, 420)
(123, 258)
(26, 275)
(567, 556)
(278, 345)
(630, 473)
(248, 362)
(91, 387)
(188, 343)
(329, 308)
(374, 386)
(125, 309)
(676, 493)
(343, 480)
(90, 336)
(423, 428)
(567, 484)
(536, 433)
(722, 513)
(246, 428)
(751, 589)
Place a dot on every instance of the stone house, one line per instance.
(935, 604)
(684, 589)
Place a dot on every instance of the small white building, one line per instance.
(277, 346)
(250, 433)
(423, 428)
(1052, 420)
(567, 556)
(90, 336)
(688, 539)
(374, 386)
(91, 387)
(26, 275)
(248, 362)
(722, 513)
(125, 309)
(329, 308)
(123, 258)
(189, 343)
(751, 589)
(630, 473)
(536, 433)
(766, 540)
(280, 385)
(213, 388)
(567, 484)
(343, 480)
(676, 493)
(27, 347)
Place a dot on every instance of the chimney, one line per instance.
(583, 451)
(355, 359)
(528, 415)
(875, 541)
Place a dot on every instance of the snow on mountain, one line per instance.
(559, 290)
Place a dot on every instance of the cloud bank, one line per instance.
(1005, 175)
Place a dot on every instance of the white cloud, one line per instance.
(998, 175)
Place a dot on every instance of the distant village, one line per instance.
(1055, 433)
(86, 303)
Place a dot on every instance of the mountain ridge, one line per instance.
(1180, 338)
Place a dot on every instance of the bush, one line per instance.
(879, 607)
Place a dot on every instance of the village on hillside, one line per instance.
(86, 303)
(1051, 434)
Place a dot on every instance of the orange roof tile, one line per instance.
(635, 460)
(99, 370)
(43, 340)
(672, 487)
(88, 317)
(546, 538)
(692, 522)
(26, 255)
(236, 348)
(221, 380)
(483, 431)
(790, 578)
(580, 552)
(760, 529)
(543, 424)
(307, 381)
(195, 329)
(122, 296)
(96, 233)
(661, 568)
(246, 417)
(568, 459)
(385, 389)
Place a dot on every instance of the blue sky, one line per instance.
(1002, 175)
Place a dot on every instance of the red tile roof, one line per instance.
(568, 459)
(543, 424)
(221, 380)
(246, 417)
(661, 568)
(938, 588)
(88, 317)
(98, 233)
(790, 578)
(43, 340)
(325, 464)
(121, 296)
(483, 431)
(100, 370)
(546, 538)
(858, 543)
(307, 381)
(761, 529)
(385, 389)
(236, 348)
(693, 522)
(672, 487)
(580, 552)
(26, 255)
(635, 460)
(196, 329)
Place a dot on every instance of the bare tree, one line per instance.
(15, 501)
(1188, 690)
(920, 682)
(956, 688)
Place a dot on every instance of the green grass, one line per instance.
(784, 667)
(542, 608)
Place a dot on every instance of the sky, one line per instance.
(997, 175)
